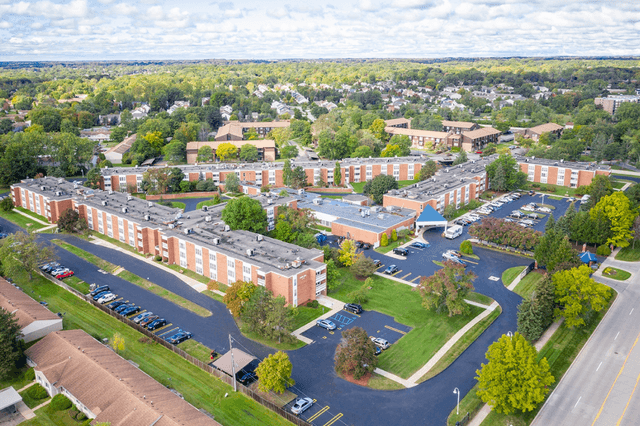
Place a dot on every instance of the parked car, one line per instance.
(141, 316)
(420, 245)
(532, 192)
(358, 244)
(391, 269)
(478, 152)
(544, 209)
(453, 258)
(247, 377)
(453, 232)
(107, 298)
(99, 290)
(572, 199)
(130, 311)
(59, 271)
(64, 275)
(326, 324)
(366, 246)
(301, 405)
(353, 307)
(401, 251)
(114, 305)
(99, 295)
(378, 351)
(517, 214)
(122, 307)
(155, 324)
(380, 342)
(509, 220)
(148, 320)
(527, 222)
(483, 210)
(473, 217)
(528, 208)
(462, 222)
(532, 216)
(515, 195)
(377, 262)
(455, 253)
(585, 198)
(179, 337)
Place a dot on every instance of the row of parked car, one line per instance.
(148, 320)
(454, 256)
(56, 270)
(533, 207)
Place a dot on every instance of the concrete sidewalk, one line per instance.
(195, 284)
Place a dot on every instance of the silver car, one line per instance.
(325, 323)
(380, 342)
(301, 405)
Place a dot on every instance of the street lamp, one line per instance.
(457, 392)
(509, 334)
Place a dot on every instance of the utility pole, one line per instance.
(233, 365)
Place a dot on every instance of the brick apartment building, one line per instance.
(266, 173)
(235, 130)
(457, 127)
(457, 136)
(266, 149)
(612, 102)
(420, 138)
(360, 223)
(404, 123)
(454, 185)
(564, 173)
(534, 133)
(200, 241)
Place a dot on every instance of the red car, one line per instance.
(64, 275)
(478, 152)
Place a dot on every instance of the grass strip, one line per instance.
(197, 350)
(116, 243)
(32, 214)
(510, 274)
(461, 345)
(629, 254)
(102, 264)
(198, 387)
(305, 315)
(479, 298)
(377, 381)
(21, 221)
(164, 293)
(29, 400)
(213, 295)
(210, 202)
(528, 284)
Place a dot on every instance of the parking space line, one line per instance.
(381, 266)
(333, 420)
(164, 330)
(395, 329)
(416, 278)
(469, 261)
(393, 275)
(318, 414)
(402, 278)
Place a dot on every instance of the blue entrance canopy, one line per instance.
(430, 217)
(587, 257)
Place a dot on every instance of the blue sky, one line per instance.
(269, 29)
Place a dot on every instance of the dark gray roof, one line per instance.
(575, 165)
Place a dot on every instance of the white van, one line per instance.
(585, 198)
(453, 232)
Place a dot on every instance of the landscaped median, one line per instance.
(197, 386)
(134, 279)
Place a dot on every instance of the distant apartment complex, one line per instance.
(534, 133)
(612, 102)
(266, 148)
(455, 137)
(235, 130)
(564, 173)
(200, 241)
(262, 174)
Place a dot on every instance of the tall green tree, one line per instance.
(535, 313)
(427, 170)
(378, 186)
(617, 209)
(205, 154)
(446, 289)
(248, 152)
(20, 252)
(579, 296)
(268, 316)
(231, 183)
(274, 373)
(505, 175)
(555, 250)
(237, 295)
(286, 173)
(10, 347)
(337, 174)
(245, 213)
(513, 379)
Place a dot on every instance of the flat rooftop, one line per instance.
(50, 187)
(575, 165)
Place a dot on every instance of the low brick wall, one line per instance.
(182, 195)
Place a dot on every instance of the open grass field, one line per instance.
(430, 330)
(305, 315)
(198, 387)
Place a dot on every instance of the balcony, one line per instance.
(321, 287)
(321, 277)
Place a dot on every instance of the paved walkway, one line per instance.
(334, 306)
(195, 284)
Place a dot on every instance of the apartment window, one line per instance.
(199, 261)
(213, 274)
(198, 251)
(212, 258)
(183, 263)
(123, 179)
(199, 268)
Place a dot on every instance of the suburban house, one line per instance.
(34, 319)
(177, 105)
(266, 148)
(140, 112)
(235, 130)
(105, 386)
(115, 153)
(571, 174)
(98, 135)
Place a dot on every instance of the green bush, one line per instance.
(157, 258)
(37, 392)
(394, 235)
(30, 374)
(313, 304)
(60, 402)
(603, 250)
(81, 416)
(466, 247)
(384, 240)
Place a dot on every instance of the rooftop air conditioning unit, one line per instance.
(207, 219)
(363, 214)
(43, 188)
(110, 192)
(205, 208)
(227, 228)
(171, 226)
(58, 193)
(124, 210)
(300, 191)
(75, 186)
(367, 212)
(60, 180)
(249, 252)
(380, 216)
(104, 203)
(562, 160)
(147, 217)
(269, 201)
(317, 201)
(216, 241)
(187, 231)
(136, 166)
(150, 204)
(129, 198)
(260, 237)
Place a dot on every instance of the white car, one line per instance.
(484, 211)
(528, 208)
(473, 217)
(527, 222)
(380, 342)
(301, 405)
(107, 298)
(544, 209)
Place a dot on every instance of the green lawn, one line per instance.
(102, 264)
(615, 273)
(629, 254)
(22, 221)
(78, 284)
(199, 388)
(45, 416)
(116, 242)
(305, 315)
(430, 330)
(528, 284)
(29, 400)
(197, 350)
(213, 295)
(479, 298)
(618, 184)
(382, 383)
(165, 294)
(322, 228)
(32, 214)
(461, 345)
(557, 190)
(189, 273)
(178, 205)
(210, 202)
(18, 379)
(296, 344)
(510, 274)
(560, 351)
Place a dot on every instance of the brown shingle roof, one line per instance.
(543, 128)
(397, 121)
(123, 146)
(415, 132)
(461, 124)
(25, 308)
(481, 132)
(113, 389)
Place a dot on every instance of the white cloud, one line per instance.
(278, 13)
(155, 13)
(124, 9)
(5, 24)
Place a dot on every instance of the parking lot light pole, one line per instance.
(457, 392)
(233, 366)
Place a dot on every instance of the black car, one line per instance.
(99, 290)
(401, 251)
(179, 337)
(248, 375)
(377, 262)
(353, 307)
(115, 304)
(366, 246)
(157, 324)
(358, 244)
